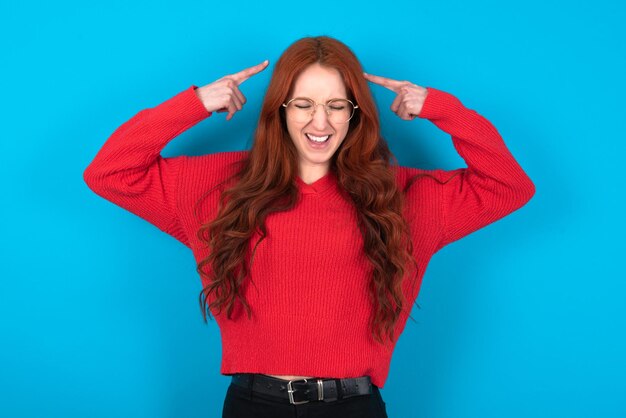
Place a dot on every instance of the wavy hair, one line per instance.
(265, 183)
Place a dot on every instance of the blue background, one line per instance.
(99, 309)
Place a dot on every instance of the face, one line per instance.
(319, 84)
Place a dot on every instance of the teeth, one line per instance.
(317, 138)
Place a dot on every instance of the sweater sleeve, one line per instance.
(492, 186)
(130, 172)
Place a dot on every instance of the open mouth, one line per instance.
(318, 139)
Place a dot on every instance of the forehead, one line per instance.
(319, 83)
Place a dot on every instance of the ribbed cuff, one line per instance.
(198, 106)
(439, 104)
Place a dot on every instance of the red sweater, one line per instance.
(310, 303)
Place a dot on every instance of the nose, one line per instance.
(320, 117)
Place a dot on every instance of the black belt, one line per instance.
(304, 390)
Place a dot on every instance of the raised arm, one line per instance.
(130, 172)
(492, 186)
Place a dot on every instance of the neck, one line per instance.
(312, 174)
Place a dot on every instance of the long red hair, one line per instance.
(265, 183)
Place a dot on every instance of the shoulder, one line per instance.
(411, 180)
(423, 189)
(203, 178)
(205, 172)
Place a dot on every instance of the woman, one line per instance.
(312, 245)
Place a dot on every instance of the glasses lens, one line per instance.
(300, 110)
(339, 110)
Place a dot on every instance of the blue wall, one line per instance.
(524, 318)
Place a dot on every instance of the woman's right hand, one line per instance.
(223, 95)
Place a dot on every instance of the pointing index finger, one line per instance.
(389, 83)
(243, 75)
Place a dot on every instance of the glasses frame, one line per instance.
(315, 104)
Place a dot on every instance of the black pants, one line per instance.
(242, 403)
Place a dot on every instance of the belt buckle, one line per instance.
(291, 390)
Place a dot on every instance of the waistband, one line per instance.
(304, 390)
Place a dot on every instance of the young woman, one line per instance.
(312, 245)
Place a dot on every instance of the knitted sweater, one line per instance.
(310, 297)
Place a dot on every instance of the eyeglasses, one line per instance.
(301, 109)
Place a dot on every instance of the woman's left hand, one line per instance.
(410, 99)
